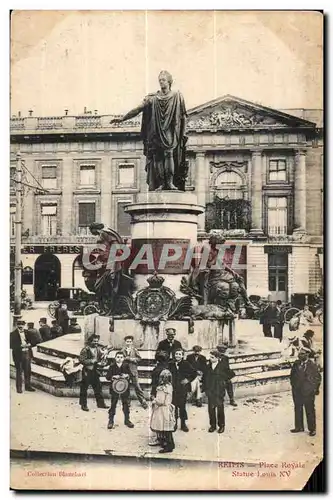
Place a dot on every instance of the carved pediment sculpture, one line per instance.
(227, 117)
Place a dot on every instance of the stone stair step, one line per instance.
(260, 366)
(47, 360)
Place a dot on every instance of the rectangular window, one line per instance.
(12, 221)
(87, 215)
(49, 220)
(278, 272)
(87, 175)
(126, 175)
(277, 170)
(123, 219)
(49, 176)
(277, 215)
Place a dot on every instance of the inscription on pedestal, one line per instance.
(158, 245)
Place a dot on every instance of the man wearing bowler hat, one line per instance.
(90, 357)
(305, 382)
(22, 355)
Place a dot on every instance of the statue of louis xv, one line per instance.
(163, 134)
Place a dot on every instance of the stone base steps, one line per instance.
(53, 382)
(257, 371)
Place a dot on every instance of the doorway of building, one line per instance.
(278, 276)
(47, 277)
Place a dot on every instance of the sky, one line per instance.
(109, 60)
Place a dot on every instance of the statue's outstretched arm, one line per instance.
(131, 114)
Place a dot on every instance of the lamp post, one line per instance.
(18, 236)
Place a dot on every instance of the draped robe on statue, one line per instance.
(163, 133)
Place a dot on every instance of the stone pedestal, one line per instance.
(159, 219)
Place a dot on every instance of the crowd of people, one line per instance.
(174, 378)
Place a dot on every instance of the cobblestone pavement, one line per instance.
(258, 429)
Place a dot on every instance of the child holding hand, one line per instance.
(163, 414)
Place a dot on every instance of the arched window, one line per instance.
(229, 184)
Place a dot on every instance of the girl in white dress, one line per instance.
(163, 414)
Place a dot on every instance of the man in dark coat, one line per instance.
(56, 330)
(62, 317)
(229, 374)
(22, 355)
(44, 330)
(278, 326)
(169, 345)
(199, 363)
(305, 382)
(32, 335)
(119, 369)
(90, 357)
(269, 318)
(214, 387)
(182, 376)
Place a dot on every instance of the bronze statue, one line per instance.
(221, 286)
(163, 134)
(109, 284)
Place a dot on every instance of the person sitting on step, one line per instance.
(32, 334)
(74, 327)
(44, 330)
(199, 363)
(56, 330)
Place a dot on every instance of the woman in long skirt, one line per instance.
(163, 415)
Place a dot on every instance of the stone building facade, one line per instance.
(258, 171)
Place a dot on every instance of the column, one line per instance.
(67, 202)
(256, 194)
(201, 176)
(105, 184)
(300, 192)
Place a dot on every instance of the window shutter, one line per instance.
(290, 213)
(123, 219)
(87, 214)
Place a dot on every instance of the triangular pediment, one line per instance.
(229, 112)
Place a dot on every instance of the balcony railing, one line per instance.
(49, 122)
(88, 121)
(61, 124)
(17, 123)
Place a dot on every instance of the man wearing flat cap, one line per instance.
(90, 357)
(44, 330)
(32, 335)
(305, 381)
(22, 355)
